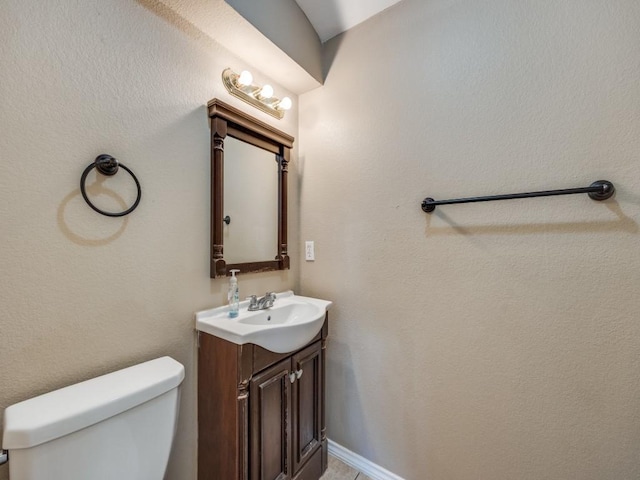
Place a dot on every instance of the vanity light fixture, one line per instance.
(242, 87)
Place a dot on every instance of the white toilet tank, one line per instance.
(119, 426)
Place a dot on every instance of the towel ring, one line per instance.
(107, 165)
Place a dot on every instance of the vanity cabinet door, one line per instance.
(270, 431)
(307, 405)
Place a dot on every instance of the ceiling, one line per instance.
(332, 17)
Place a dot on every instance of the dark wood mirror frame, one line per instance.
(229, 121)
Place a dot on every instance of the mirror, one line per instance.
(250, 202)
(249, 166)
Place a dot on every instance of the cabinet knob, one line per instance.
(292, 377)
(299, 373)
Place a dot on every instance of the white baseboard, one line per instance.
(376, 472)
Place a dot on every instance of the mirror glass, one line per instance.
(250, 202)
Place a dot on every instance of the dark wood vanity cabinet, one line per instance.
(260, 413)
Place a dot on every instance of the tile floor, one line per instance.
(340, 471)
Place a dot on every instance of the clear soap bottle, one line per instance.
(233, 296)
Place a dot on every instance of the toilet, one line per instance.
(119, 426)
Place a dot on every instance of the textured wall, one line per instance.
(484, 341)
(286, 25)
(84, 294)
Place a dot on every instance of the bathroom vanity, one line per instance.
(261, 373)
(261, 413)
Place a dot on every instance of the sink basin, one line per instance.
(290, 324)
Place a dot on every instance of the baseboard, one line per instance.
(376, 472)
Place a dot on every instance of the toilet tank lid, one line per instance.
(58, 413)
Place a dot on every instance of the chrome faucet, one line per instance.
(261, 303)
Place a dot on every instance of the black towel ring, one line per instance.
(107, 165)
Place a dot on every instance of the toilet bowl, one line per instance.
(119, 426)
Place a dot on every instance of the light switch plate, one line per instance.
(309, 251)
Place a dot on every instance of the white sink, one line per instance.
(290, 324)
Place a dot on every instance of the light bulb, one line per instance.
(284, 104)
(245, 78)
(266, 92)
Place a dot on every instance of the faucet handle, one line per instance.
(253, 301)
(269, 298)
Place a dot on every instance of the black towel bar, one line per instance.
(599, 190)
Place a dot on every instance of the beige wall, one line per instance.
(84, 294)
(485, 341)
(287, 26)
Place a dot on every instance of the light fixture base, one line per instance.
(230, 78)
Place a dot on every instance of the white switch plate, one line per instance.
(309, 251)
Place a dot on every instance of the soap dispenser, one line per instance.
(233, 296)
